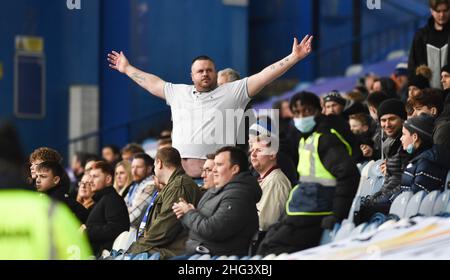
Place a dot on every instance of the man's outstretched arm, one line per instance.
(150, 82)
(258, 81)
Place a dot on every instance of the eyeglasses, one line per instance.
(206, 170)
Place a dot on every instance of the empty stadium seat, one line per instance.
(426, 207)
(358, 230)
(447, 181)
(140, 257)
(441, 202)
(398, 206)
(345, 230)
(414, 204)
(124, 240)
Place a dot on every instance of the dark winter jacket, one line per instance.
(396, 161)
(226, 218)
(427, 171)
(326, 124)
(426, 35)
(107, 220)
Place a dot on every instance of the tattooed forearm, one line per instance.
(272, 67)
(137, 77)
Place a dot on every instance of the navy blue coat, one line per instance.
(427, 171)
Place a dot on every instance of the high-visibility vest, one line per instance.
(34, 227)
(314, 194)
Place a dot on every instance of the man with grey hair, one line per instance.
(227, 75)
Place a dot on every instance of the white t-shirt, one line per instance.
(204, 122)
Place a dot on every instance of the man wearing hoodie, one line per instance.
(328, 180)
(226, 218)
(433, 37)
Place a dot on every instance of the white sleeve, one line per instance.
(240, 91)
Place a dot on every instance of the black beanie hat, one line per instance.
(446, 68)
(392, 106)
(423, 125)
(335, 96)
(419, 81)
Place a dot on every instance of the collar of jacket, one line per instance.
(430, 25)
(235, 179)
(57, 192)
(176, 173)
(103, 192)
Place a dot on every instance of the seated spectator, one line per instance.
(84, 200)
(130, 150)
(368, 81)
(85, 195)
(76, 170)
(428, 101)
(392, 114)
(207, 173)
(49, 181)
(328, 180)
(141, 190)
(227, 75)
(285, 119)
(109, 217)
(274, 184)
(90, 160)
(374, 100)
(123, 178)
(400, 78)
(40, 155)
(285, 161)
(333, 103)
(430, 163)
(162, 232)
(445, 80)
(417, 83)
(359, 124)
(226, 218)
(386, 85)
(111, 153)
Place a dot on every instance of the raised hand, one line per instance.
(118, 61)
(303, 49)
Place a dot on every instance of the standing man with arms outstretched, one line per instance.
(200, 125)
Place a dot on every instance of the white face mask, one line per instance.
(305, 125)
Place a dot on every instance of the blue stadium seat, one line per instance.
(194, 257)
(206, 257)
(256, 258)
(345, 230)
(441, 202)
(427, 205)
(154, 257)
(398, 206)
(140, 257)
(447, 181)
(358, 230)
(414, 205)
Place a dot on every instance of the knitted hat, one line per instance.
(419, 81)
(335, 96)
(392, 106)
(423, 125)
